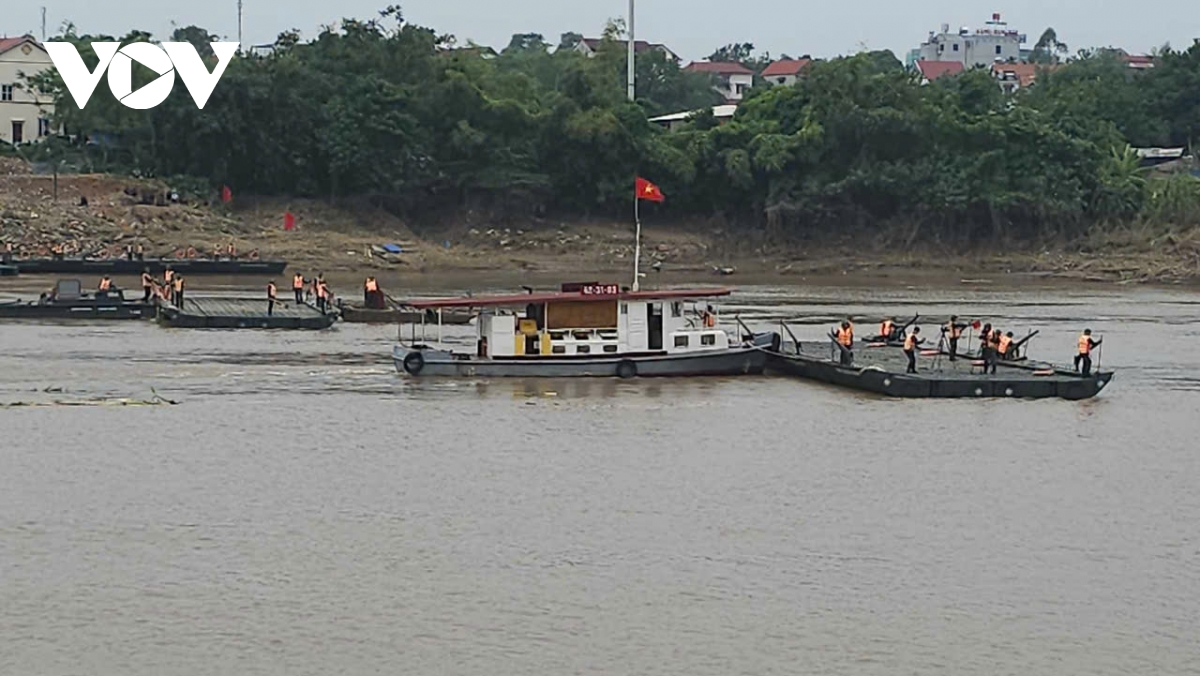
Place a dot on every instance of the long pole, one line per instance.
(43, 24)
(629, 65)
(637, 221)
(239, 24)
(637, 241)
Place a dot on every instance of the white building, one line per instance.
(731, 80)
(589, 46)
(24, 115)
(981, 47)
(786, 72)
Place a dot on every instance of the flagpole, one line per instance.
(637, 221)
(637, 239)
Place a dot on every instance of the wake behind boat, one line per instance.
(589, 330)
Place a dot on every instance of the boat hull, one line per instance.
(359, 315)
(440, 363)
(77, 311)
(124, 266)
(1009, 382)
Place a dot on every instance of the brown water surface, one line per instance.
(307, 510)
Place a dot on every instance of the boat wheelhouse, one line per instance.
(589, 330)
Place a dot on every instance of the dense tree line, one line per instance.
(387, 109)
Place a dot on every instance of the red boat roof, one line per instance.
(559, 296)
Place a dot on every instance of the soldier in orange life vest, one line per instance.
(147, 285)
(886, 328)
(177, 295)
(953, 333)
(326, 296)
(322, 293)
(298, 287)
(994, 347)
(140, 252)
(1005, 346)
(1084, 357)
(105, 285)
(845, 338)
(910, 348)
(271, 293)
(709, 317)
(369, 288)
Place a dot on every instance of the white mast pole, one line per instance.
(630, 76)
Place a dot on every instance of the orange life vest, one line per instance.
(168, 276)
(271, 290)
(178, 284)
(1085, 344)
(322, 290)
(105, 284)
(710, 320)
(147, 280)
(298, 282)
(1005, 343)
(846, 337)
(372, 285)
(910, 342)
(885, 329)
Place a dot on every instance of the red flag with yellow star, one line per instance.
(648, 191)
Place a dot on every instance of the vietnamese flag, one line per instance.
(289, 221)
(645, 190)
(226, 194)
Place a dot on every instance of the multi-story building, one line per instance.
(24, 114)
(979, 48)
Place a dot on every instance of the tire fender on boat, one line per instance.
(413, 363)
(626, 369)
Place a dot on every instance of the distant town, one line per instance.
(1012, 58)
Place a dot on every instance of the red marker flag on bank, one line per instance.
(976, 325)
(289, 221)
(226, 194)
(648, 191)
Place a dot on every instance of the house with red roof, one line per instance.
(932, 70)
(589, 47)
(731, 80)
(1014, 76)
(24, 114)
(786, 71)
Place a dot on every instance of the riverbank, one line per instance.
(348, 238)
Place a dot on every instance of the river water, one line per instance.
(306, 510)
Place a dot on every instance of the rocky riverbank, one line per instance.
(99, 215)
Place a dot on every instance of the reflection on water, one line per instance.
(307, 510)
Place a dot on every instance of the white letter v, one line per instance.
(74, 73)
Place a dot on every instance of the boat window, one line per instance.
(610, 348)
(582, 349)
(708, 339)
(681, 341)
(558, 349)
(581, 335)
(676, 309)
(557, 335)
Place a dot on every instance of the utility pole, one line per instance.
(43, 24)
(239, 25)
(630, 71)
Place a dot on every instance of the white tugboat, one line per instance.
(590, 330)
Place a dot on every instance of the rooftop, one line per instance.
(722, 111)
(521, 300)
(932, 70)
(786, 67)
(11, 43)
(718, 67)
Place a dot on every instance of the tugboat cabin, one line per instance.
(592, 320)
